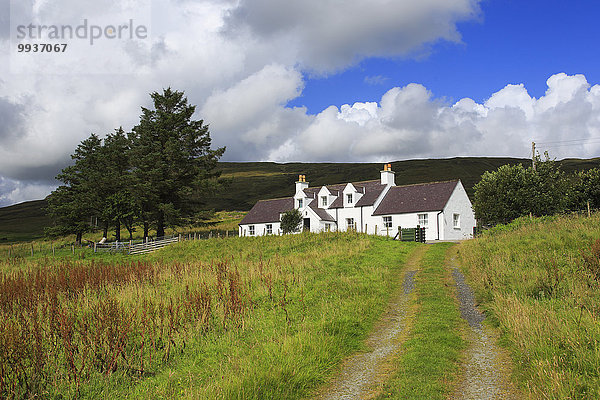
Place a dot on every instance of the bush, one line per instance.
(291, 220)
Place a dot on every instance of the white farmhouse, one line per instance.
(376, 207)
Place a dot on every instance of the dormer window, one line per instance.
(324, 201)
(300, 202)
(349, 198)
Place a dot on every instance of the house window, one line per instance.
(349, 198)
(324, 201)
(269, 229)
(423, 219)
(299, 203)
(387, 222)
(251, 230)
(327, 227)
(456, 221)
(350, 224)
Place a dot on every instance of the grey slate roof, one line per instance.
(398, 200)
(371, 190)
(268, 211)
(324, 215)
(416, 198)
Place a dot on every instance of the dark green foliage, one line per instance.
(173, 164)
(290, 221)
(513, 191)
(157, 174)
(118, 203)
(585, 188)
(73, 204)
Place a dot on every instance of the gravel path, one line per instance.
(362, 372)
(486, 374)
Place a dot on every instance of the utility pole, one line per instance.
(533, 155)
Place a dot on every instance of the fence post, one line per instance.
(94, 247)
(73, 249)
(588, 205)
(31, 249)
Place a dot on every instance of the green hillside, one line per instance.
(253, 181)
(24, 221)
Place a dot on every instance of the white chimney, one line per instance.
(301, 184)
(387, 175)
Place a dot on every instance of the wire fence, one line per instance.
(56, 248)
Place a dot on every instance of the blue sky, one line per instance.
(308, 81)
(512, 42)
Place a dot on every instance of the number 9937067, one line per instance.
(41, 48)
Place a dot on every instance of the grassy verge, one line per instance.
(248, 318)
(539, 280)
(428, 362)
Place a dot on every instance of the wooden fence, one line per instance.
(151, 244)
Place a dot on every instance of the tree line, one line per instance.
(513, 191)
(154, 176)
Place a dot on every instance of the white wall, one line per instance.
(459, 203)
(260, 229)
(344, 213)
(404, 221)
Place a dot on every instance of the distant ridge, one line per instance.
(253, 181)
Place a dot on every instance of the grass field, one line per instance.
(248, 318)
(539, 280)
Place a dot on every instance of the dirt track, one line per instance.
(363, 373)
(486, 367)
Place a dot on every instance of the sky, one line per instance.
(309, 81)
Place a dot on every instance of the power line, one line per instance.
(568, 141)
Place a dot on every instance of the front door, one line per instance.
(307, 224)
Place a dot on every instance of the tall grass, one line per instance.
(225, 318)
(539, 281)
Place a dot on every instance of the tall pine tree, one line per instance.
(78, 200)
(119, 205)
(173, 163)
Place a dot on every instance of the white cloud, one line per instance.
(327, 35)
(12, 192)
(241, 62)
(409, 122)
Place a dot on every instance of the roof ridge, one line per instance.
(278, 198)
(344, 183)
(426, 183)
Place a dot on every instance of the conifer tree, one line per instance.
(73, 205)
(173, 163)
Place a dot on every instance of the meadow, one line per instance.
(539, 282)
(236, 317)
